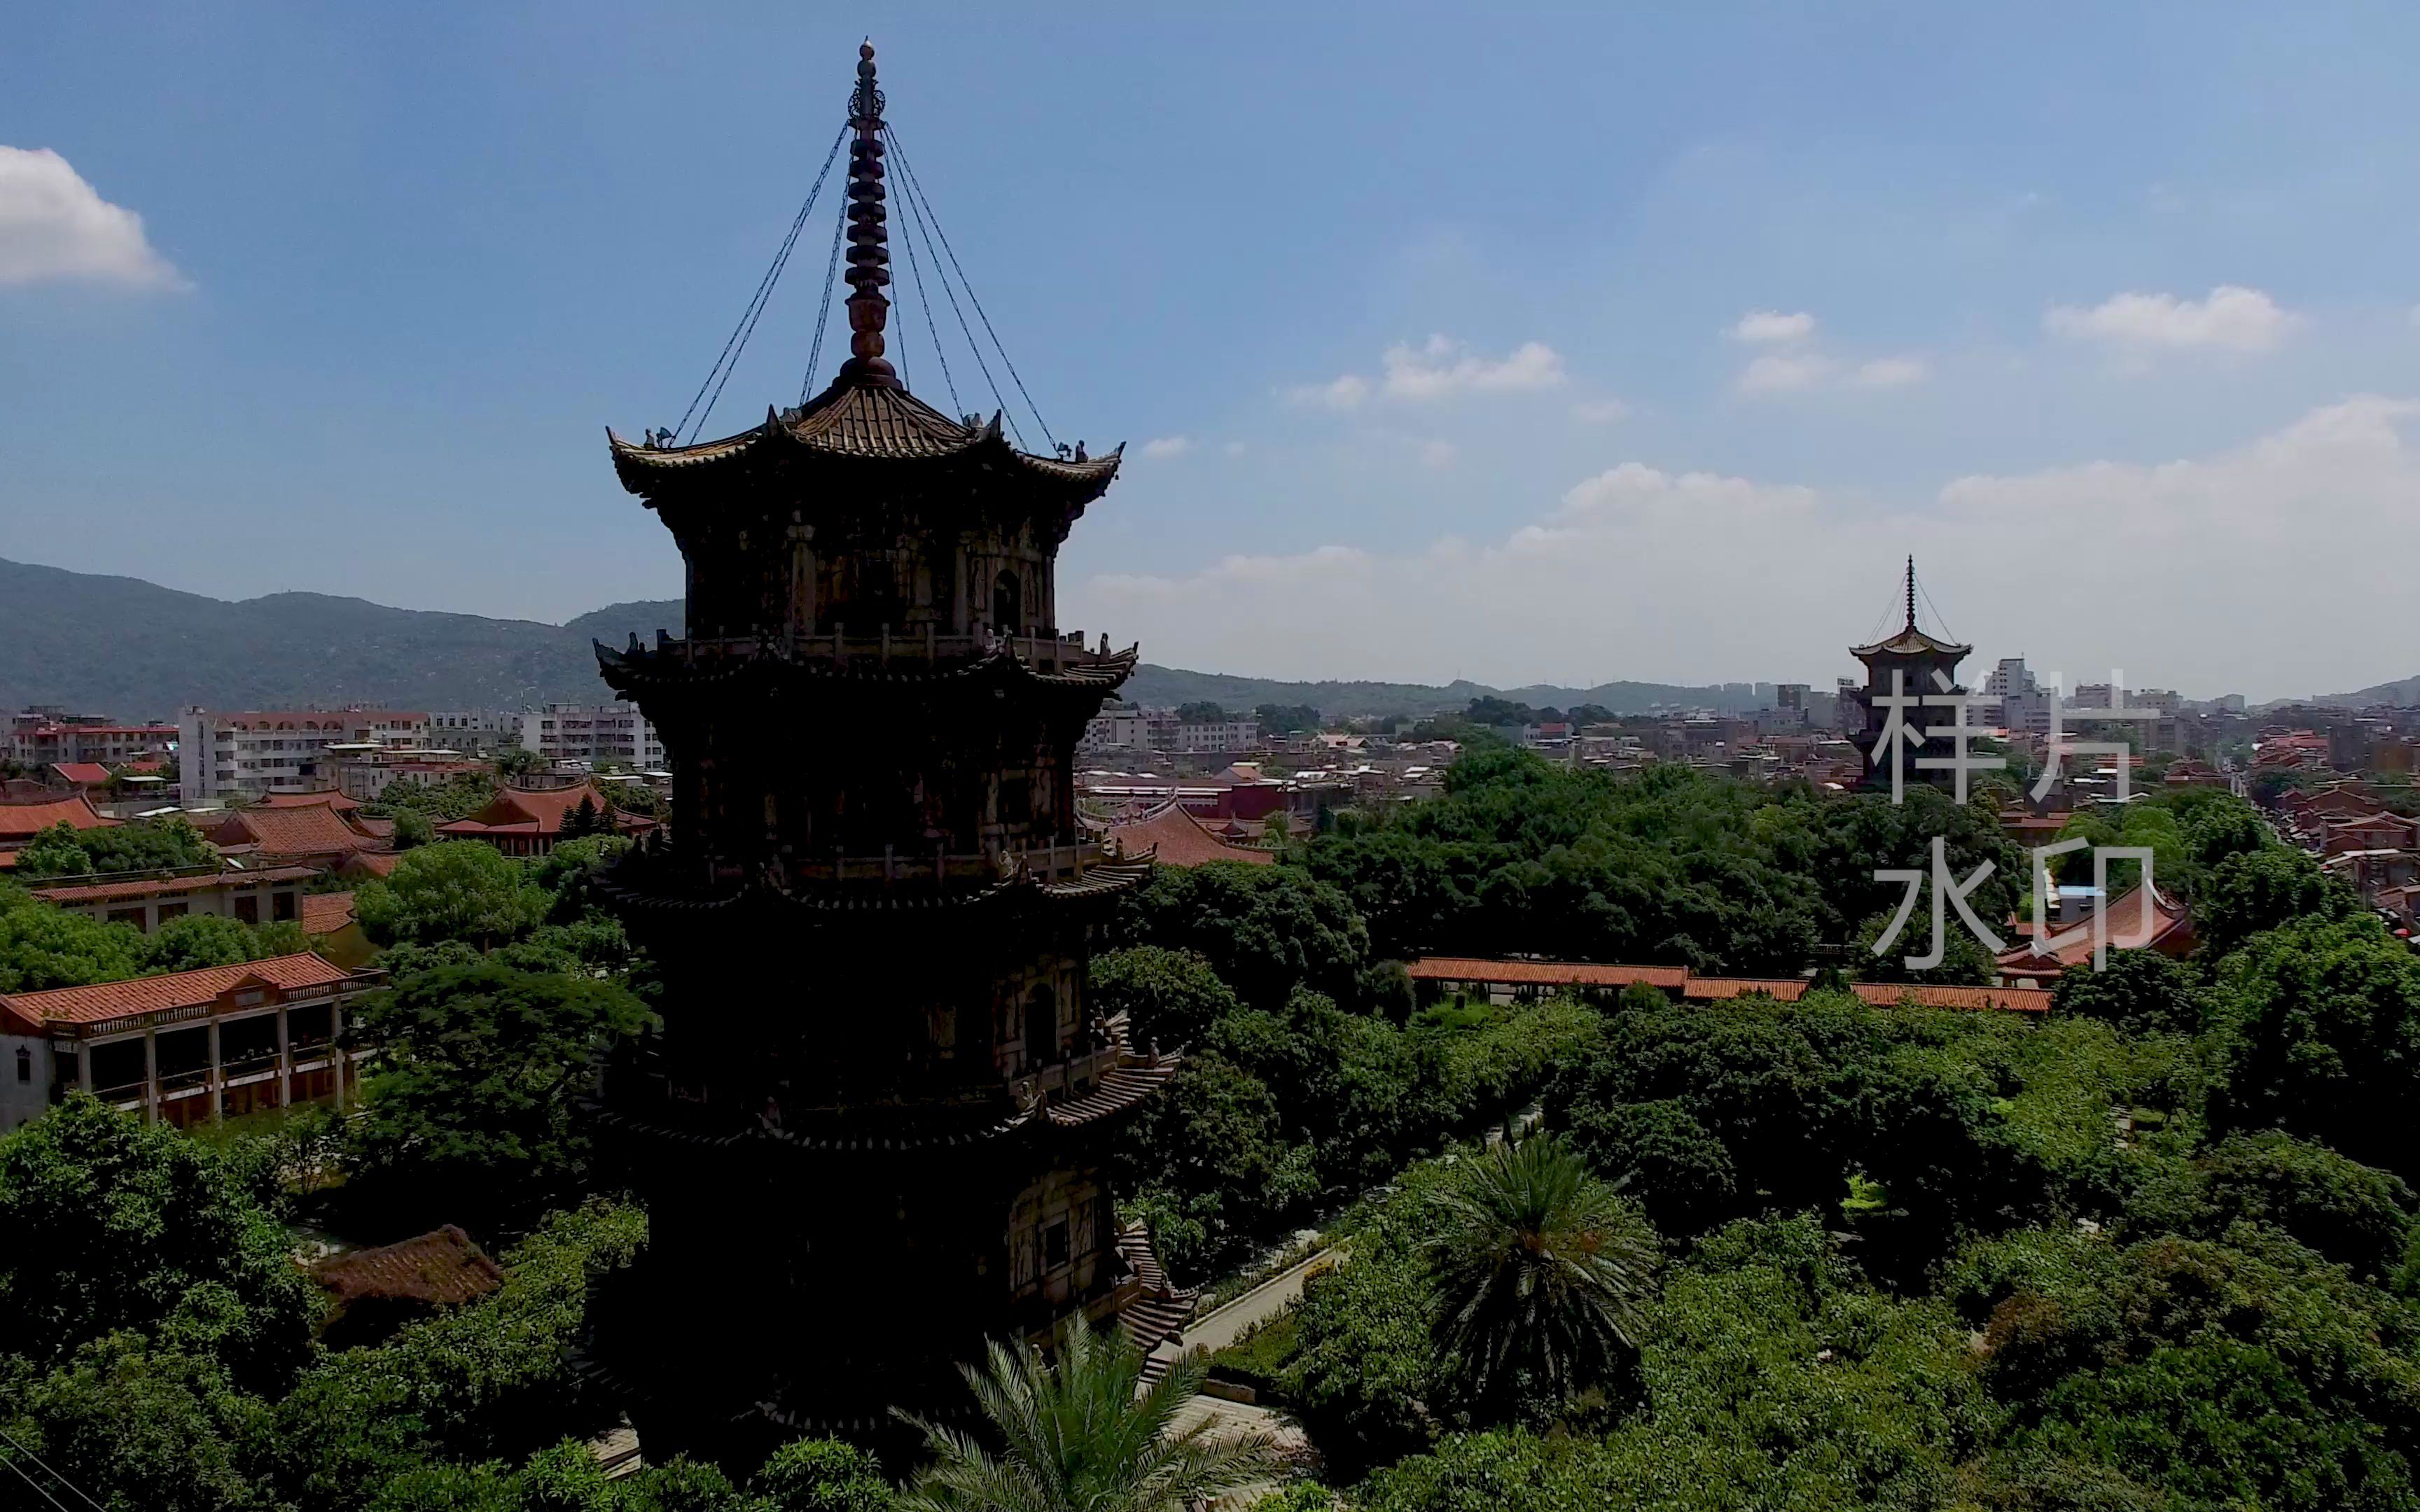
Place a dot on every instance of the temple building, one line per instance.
(1926, 666)
(871, 1131)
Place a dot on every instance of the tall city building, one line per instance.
(871, 1131)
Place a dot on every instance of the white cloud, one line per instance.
(1444, 366)
(1785, 372)
(54, 226)
(1601, 411)
(1765, 326)
(1726, 577)
(1438, 368)
(1345, 393)
(1161, 447)
(1890, 372)
(2232, 319)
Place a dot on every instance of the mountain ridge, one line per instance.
(104, 644)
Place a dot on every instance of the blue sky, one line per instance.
(1517, 343)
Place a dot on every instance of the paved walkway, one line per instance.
(1230, 1321)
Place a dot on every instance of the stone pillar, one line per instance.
(218, 1076)
(84, 1065)
(151, 1075)
(338, 1062)
(285, 1061)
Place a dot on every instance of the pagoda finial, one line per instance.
(1911, 591)
(869, 239)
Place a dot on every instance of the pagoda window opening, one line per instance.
(1008, 603)
(1041, 1026)
(1054, 1245)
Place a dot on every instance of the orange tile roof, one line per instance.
(94, 892)
(2133, 925)
(21, 822)
(179, 990)
(311, 830)
(375, 863)
(1717, 989)
(324, 913)
(1705, 989)
(330, 798)
(82, 774)
(1545, 972)
(441, 1268)
(1180, 839)
(531, 812)
(2010, 999)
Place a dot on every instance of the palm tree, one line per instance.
(1539, 1270)
(1080, 1435)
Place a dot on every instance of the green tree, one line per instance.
(200, 940)
(2255, 890)
(1171, 998)
(1541, 1271)
(1264, 930)
(63, 850)
(2138, 992)
(458, 891)
(413, 829)
(823, 1475)
(1084, 1435)
(44, 947)
(2316, 1030)
(119, 1225)
(470, 1104)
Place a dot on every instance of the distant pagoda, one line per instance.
(871, 1131)
(1916, 655)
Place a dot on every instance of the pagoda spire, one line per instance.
(869, 239)
(1911, 591)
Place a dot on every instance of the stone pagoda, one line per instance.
(1916, 655)
(871, 1130)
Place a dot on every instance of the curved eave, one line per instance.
(1103, 879)
(626, 672)
(645, 470)
(1911, 643)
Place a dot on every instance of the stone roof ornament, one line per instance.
(869, 236)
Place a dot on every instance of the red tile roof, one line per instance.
(146, 995)
(313, 829)
(373, 863)
(1703, 989)
(82, 774)
(328, 799)
(95, 892)
(1718, 989)
(1545, 972)
(2010, 999)
(2164, 924)
(324, 913)
(529, 811)
(1180, 839)
(22, 821)
(442, 1269)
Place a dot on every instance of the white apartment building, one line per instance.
(252, 752)
(1218, 737)
(475, 732)
(593, 733)
(1118, 727)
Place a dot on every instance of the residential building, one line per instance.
(249, 753)
(475, 732)
(586, 734)
(1218, 738)
(44, 737)
(187, 1047)
(1118, 728)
